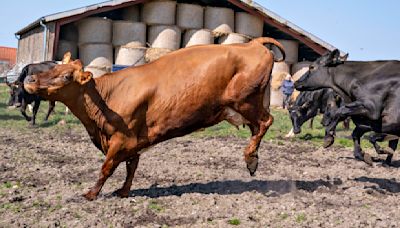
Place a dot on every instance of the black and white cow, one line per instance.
(20, 98)
(371, 91)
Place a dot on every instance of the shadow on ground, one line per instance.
(270, 188)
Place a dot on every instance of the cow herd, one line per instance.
(127, 111)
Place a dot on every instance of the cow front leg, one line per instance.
(23, 110)
(52, 104)
(393, 146)
(250, 154)
(110, 164)
(131, 166)
(35, 111)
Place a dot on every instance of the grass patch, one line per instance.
(155, 206)
(12, 119)
(234, 221)
(301, 218)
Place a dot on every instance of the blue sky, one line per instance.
(367, 29)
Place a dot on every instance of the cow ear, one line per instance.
(84, 77)
(66, 58)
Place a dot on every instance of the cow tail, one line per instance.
(268, 40)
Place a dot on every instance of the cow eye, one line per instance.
(312, 67)
(67, 77)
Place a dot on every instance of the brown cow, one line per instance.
(129, 110)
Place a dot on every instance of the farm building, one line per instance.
(7, 58)
(133, 32)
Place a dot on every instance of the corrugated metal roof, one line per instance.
(248, 3)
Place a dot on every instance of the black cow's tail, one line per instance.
(268, 40)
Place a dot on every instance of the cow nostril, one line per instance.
(30, 80)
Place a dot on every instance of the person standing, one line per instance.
(287, 90)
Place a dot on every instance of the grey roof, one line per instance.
(250, 3)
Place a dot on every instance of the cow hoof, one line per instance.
(358, 155)
(328, 141)
(90, 196)
(252, 164)
(121, 193)
(368, 159)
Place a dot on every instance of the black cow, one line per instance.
(371, 91)
(310, 103)
(20, 98)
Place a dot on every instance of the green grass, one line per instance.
(234, 221)
(12, 119)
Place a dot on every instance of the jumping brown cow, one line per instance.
(129, 110)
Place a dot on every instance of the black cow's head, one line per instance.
(302, 111)
(15, 94)
(317, 76)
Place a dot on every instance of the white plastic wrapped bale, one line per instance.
(281, 67)
(66, 46)
(130, 56)
(153, 54)
(131, 13)
(97, 71)
(197, 37)
(219, 20)
(233, 38)
(159, 13)
(95, 30)
(125, 32)
(190, 16)
(291, 50)
(98, 55)
(163, 36)
(299, 69)
(248, 24)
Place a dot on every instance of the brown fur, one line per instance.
(132, 109)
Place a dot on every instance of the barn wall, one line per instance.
(30, 45)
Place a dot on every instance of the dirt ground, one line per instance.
(192, 182)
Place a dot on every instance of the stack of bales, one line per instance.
(282, 69)
(95, 50)
(68, 42)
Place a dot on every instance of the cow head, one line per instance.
(318, 76)
(66, 76)
(299, 114)
(15, 91)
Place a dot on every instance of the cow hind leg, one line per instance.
(24, 104)
(258, 132)
(131, 166)
(34, 111)
(358, 153)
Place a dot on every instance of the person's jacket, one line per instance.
(287, 87)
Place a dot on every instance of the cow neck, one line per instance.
(339, 84)
(91, 108)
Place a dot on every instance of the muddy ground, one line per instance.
(192, 182)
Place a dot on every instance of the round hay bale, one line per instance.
(69, 32)
(97, 71)
(281, 67)
(155, 53)
(95, 30)
(163, 36)
(291, 50)
(130, 56)
(277, 79)
(233, 38)
(125, 32)
(159, 13)
(299, 69)
(248, 24)
(66, 46)
(197, 37)
(131, 13)
(219, 20)
(99, 55)
(190, 16)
